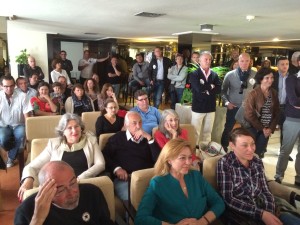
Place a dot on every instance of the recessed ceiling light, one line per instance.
(250, 17)
(276, 39)
(206, 27)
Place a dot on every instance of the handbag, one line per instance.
(239, 117)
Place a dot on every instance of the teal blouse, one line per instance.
(164, 200)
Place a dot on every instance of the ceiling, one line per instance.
(115, 18)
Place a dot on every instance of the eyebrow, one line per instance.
(69, 182)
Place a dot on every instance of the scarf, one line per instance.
(243, 75)
(85, 102)
(75, 146)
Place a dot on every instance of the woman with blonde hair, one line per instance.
(177, 194)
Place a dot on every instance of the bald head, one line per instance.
(244, 61)
(31, 61)
(52, 170)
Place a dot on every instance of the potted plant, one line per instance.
(22, 60)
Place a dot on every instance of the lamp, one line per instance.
(206, 27)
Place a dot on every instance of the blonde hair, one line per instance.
(170, 151)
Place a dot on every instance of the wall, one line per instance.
(34, 41)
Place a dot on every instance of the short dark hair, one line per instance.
(140, 92)
(43, 83)
(34, 74)
(54, 62)
(261, 73)
(56, 84)
(7, 78)
(20, 78)
(237, 132)
(281, 58)
(63, 51)
(77, 85)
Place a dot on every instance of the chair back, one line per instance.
(103, 138)
(139, 183)
(104, 183)
(37, 146)
(210, 170)
(40, 127)
(191, 133)
(89, 119)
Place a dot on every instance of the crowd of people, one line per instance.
(177, 194)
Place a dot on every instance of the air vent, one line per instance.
(90, 33)
(149, 14)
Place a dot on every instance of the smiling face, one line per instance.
(72, 132)
(243, 148)
(182, 163)
(267, 81)
(172, 121)
(43, 90)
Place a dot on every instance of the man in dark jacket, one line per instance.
(205, 86)
(158, 72)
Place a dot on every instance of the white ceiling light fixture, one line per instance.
(250, 18)
(206, 27)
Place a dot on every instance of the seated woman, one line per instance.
(107, 91)
(177, 194)
(42, 104)
(169, 128)
(79, 149)
(79, 102)
(92, 91)
(109, 121)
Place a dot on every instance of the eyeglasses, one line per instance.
(143, 99)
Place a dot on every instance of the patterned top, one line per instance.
(266, 114)
(244, 189)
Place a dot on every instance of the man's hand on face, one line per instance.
(43, 201)
(141, 133)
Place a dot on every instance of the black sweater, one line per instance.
(128, 154)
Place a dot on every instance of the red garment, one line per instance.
(161, 139)
(37, 104)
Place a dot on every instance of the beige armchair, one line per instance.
(89, 119)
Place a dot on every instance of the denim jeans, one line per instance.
(116, 88)
(261, 141)
(289, 219)
(229, 124)
(5, 139)
(158, 91)
(121, 188)
(176, 96)
(135, 85)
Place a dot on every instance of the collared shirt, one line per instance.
(160, 69)
(130, 137)
(244, 189)
(150, 118)
(29, 94)
(13, 114)
(281, 88)
(206, 74)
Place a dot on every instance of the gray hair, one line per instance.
(161, 126)
(206, 53)
(62, 124)
(128, 114)
(51, 166)
(295, 56)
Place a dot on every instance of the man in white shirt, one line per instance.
(14, 109)
(86, 65)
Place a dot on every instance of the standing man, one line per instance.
(205, 86)
(22, 86)
(140, 73)
(158, 72)
(86, 65)
(294, 65)
(66, 64)
(32, 68)
(14, 109)
(234, 56)
(280, 86)
(33, 81)
(235, 88)
(193, 65)
(150, 115)
(114, 73)
(291, 128)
